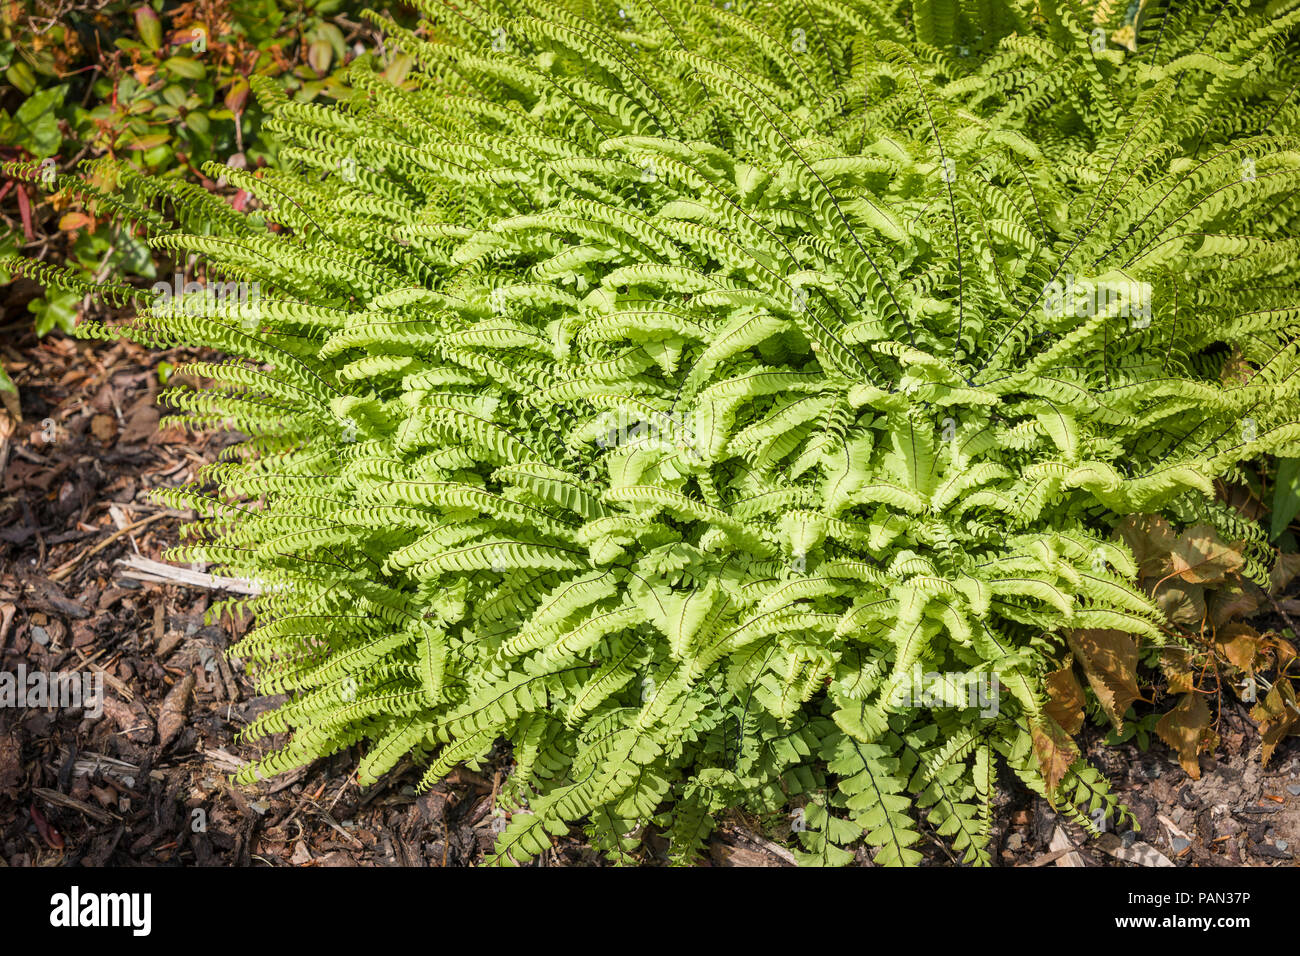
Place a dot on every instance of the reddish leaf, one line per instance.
(49, 834)
(237, 95)
(25, 211)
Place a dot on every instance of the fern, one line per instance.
(660, 388)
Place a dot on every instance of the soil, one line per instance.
(147, 782)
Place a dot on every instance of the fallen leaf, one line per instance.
(1143, 854)
(1239, 643)
(104, 427)
(47, 831)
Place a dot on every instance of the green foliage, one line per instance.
(662, 388)
(1286, 496)
(58, 310)
(163, 86)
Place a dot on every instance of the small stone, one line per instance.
(1015, 841)
(1179, 844)
(1281, 844)
(1293, 789)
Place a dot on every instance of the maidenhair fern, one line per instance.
(662, 387)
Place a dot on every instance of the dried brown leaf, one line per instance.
(1186, 730)
(1055, 751)
(1065, 699)
(1109, 658)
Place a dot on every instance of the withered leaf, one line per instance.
(1277, 716)
(1176, 666)
(1056, 752)
(1065, 699)
(1109, 658)
(1239, 643)
(1150, 538)
(1232, 599)
(1185, 729)
(104, 427)
(1183, 603)
(1200, 556)
(1285, 568)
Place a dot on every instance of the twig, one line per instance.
(1283, 614)
(324, 815)
(1044, 860)
(143, 569)
(62, 800)
(113, 682)
(67, 568)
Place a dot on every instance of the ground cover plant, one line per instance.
(738, 406)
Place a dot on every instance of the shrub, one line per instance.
(668, 389)
(164, 86)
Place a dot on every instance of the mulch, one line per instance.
(148, 782)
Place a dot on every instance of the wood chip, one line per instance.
(1143, 854)
(1062, 842)
(175, 706)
